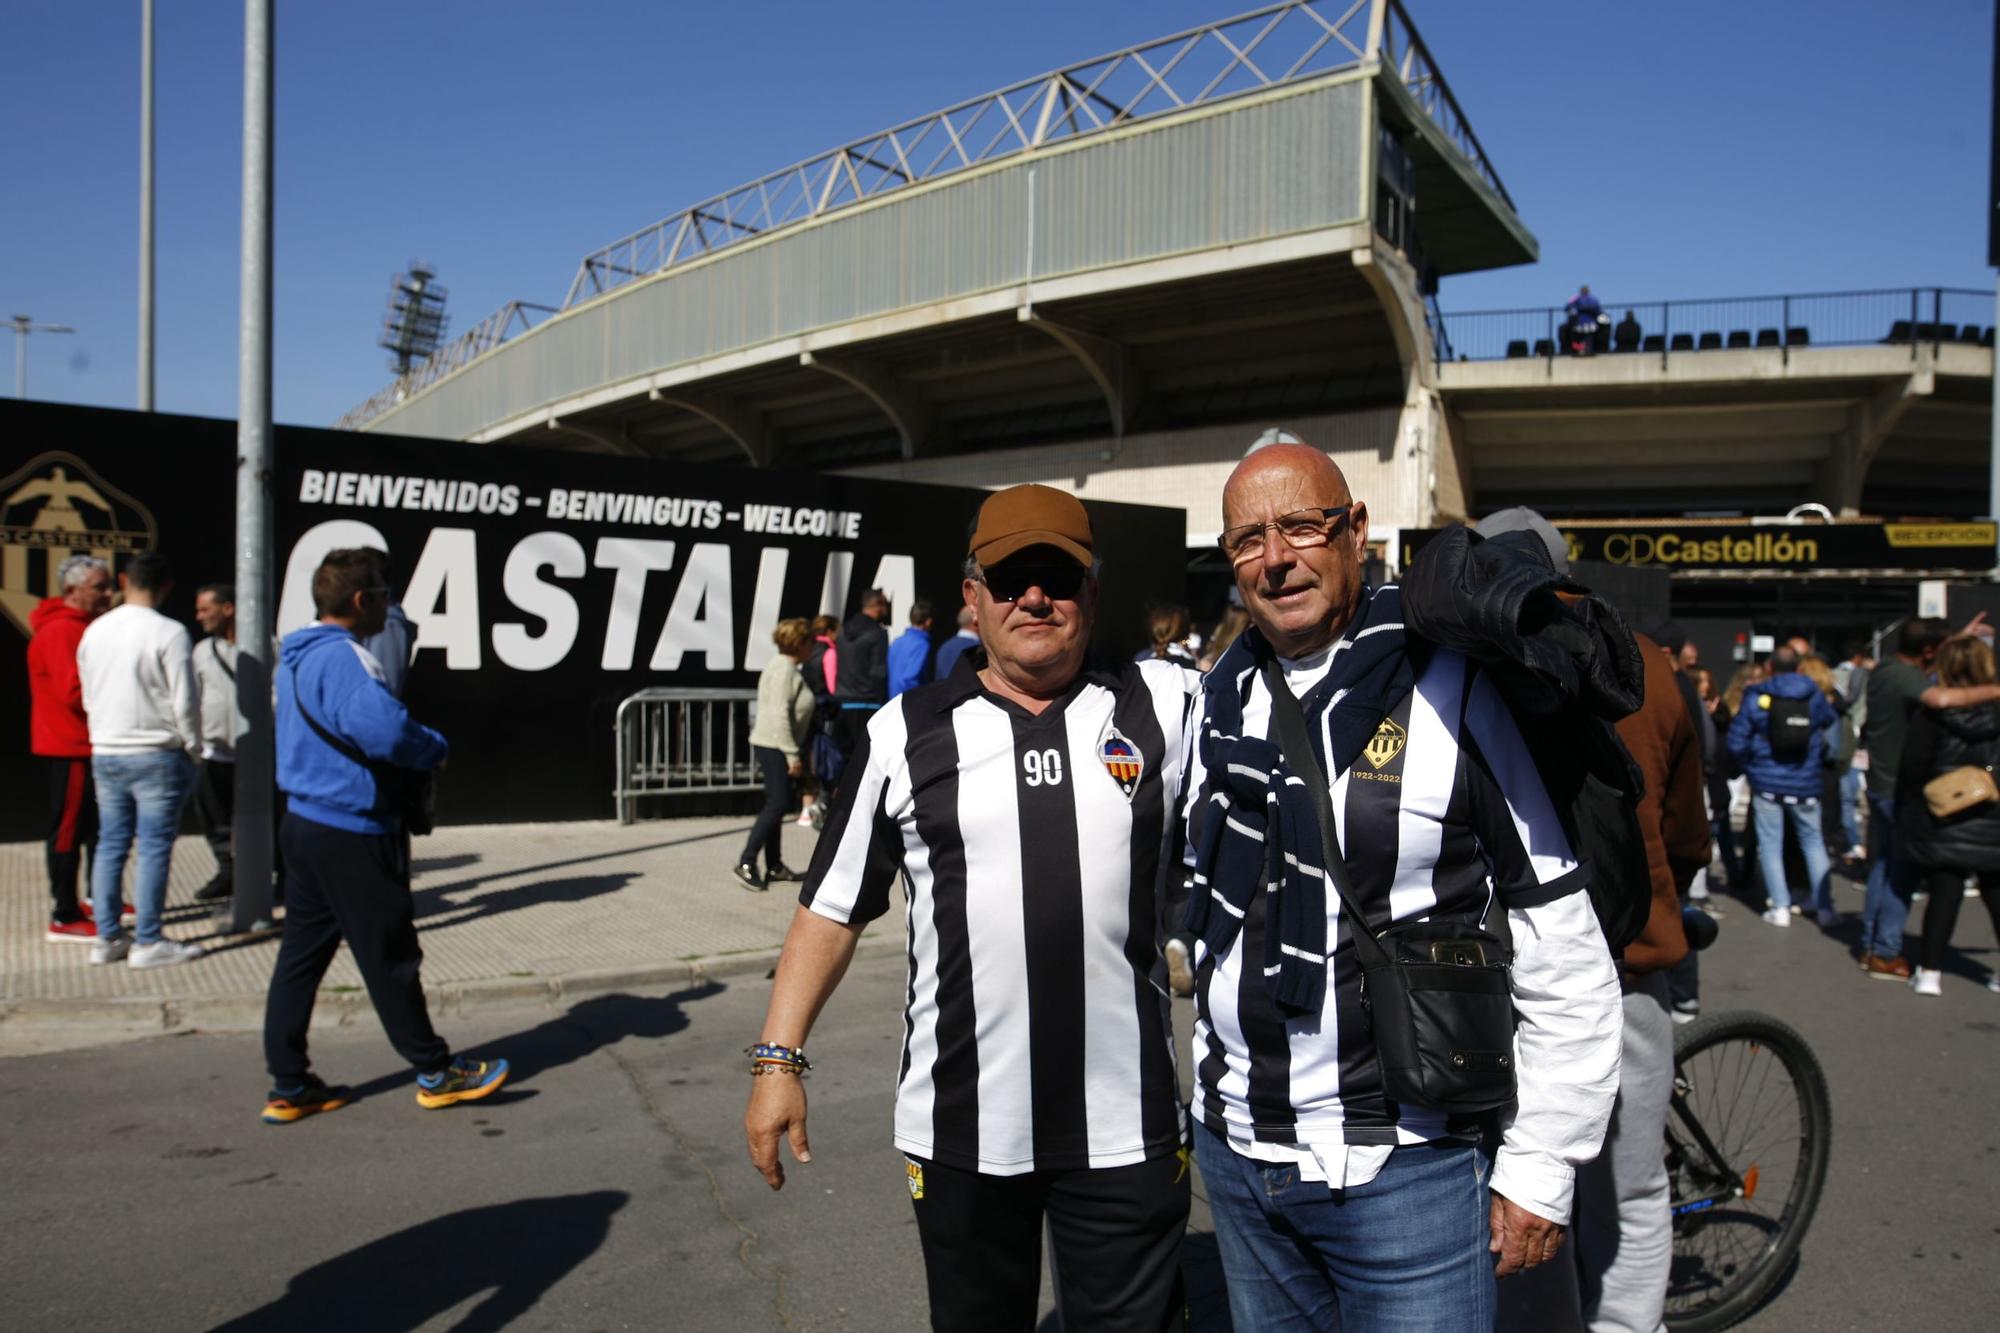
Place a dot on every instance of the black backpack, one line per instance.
(1595, 787)
(1791, 728)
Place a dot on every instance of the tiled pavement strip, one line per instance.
(505, 911)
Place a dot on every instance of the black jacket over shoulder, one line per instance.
(863, 673)
(1941, 740)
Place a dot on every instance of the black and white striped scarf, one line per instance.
(1256, 825)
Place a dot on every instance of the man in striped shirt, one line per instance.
(1024, 803)
(1334, 1205)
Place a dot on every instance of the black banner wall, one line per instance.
(546, 586)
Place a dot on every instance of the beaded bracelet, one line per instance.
(770, 1058)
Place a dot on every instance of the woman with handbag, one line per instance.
(784, 722)
(1948, 817)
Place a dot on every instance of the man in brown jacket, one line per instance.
(1622, 1228)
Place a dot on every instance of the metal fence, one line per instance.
(1912, 316)
(674, 742)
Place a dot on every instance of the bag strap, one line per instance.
(346, 749)
(215, 651)
(1290, 722)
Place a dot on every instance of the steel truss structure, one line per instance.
(1280, 44)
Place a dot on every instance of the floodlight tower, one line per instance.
(415, 324)
(23, 326)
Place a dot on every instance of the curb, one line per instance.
(45, 1026)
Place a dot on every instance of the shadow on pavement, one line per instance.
(425, 865)
(432, 902)
(587, 1027)
(733, 831)
(516, 1251)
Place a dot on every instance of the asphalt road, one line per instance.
(607, 1187)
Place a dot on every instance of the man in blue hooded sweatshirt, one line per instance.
(341, 736)
(1778, 736)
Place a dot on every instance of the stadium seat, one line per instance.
(1710, 342)
(1899, 332)
(1543, 347)
(1767, 337)
(1739, 338)
(1654, 342)
(1797, 336)
(1683, 342)
(1517, 349)
(1970, 334)
(1986, 338)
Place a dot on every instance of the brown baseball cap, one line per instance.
(1022, 516)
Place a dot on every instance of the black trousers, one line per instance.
(1114, 1237)
(72, 828)
(215, 802)
(1947, 891)
(768, 833)
(356, 887)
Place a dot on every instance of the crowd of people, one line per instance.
(132, 719)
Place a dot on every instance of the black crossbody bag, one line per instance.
(1438, 997)
(409, 795)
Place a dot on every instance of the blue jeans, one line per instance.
(137, 795)
(1852, 782)
(1887, 907)
(1405, 1253)
(1771, 817)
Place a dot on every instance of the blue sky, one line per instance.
(1685, 150)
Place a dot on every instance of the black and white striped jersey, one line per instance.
(1442, 816)
(1036, 1032)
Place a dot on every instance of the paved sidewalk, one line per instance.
(505, 911)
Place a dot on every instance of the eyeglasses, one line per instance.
(1010, 583)
(1301, 529)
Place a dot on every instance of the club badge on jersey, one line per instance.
(1122, 760)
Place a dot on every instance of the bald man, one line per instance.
(1336, 1204)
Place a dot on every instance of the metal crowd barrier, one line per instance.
(675, 742)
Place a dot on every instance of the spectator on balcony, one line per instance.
(1581, 314)
(1626, 336)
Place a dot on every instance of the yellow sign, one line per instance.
(1385, 744)
(1939, 534)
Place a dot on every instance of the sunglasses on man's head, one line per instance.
(1010, 583)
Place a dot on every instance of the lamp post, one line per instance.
(146, 205)
(23, 326)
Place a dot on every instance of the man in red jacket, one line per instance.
(59, 734)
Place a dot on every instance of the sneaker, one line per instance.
(1993, 982)
(1180, 966)
(819, 815)
(462, 1081)
(781, 873)
(1698, 891)
(164, 954)
(215, 890)
(1927, 981)
(311, 1097)
(71, 932)
(1829, 919)
(1685, 1011)
(1777, 916)
(805, 819)
(110, 951)
(127, 913)
(747, 876)
(1798, 909)
(1883, 968)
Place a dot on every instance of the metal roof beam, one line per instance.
(897, 400)
(1107, 362)
(728, 416)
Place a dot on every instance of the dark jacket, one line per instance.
(1750, 738)
(862, 676)
(1941, 740)
(1672, 819)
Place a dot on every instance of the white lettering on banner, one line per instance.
(655, 511)
(512, 643)
(443, 597)
(633, 558)
(295, 598)
(803, 521)
(378, 490)
(703, 616)
(833, 588)
(766, 604)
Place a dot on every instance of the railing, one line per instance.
(1265, 48)
(674, 742)
(481, 338)
(1904, 316)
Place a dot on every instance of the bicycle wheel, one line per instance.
(1748, 1136)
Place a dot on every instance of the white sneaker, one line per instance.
(1927, 981)
(805, 819)
(164, 954)
(1798, 909)
(1698, 891)
(1993, 982)
(1829, 919)
(110, 951)
(1777, 916)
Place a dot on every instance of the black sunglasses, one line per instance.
(1010, 583)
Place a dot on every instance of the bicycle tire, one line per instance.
(1746, 1288)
